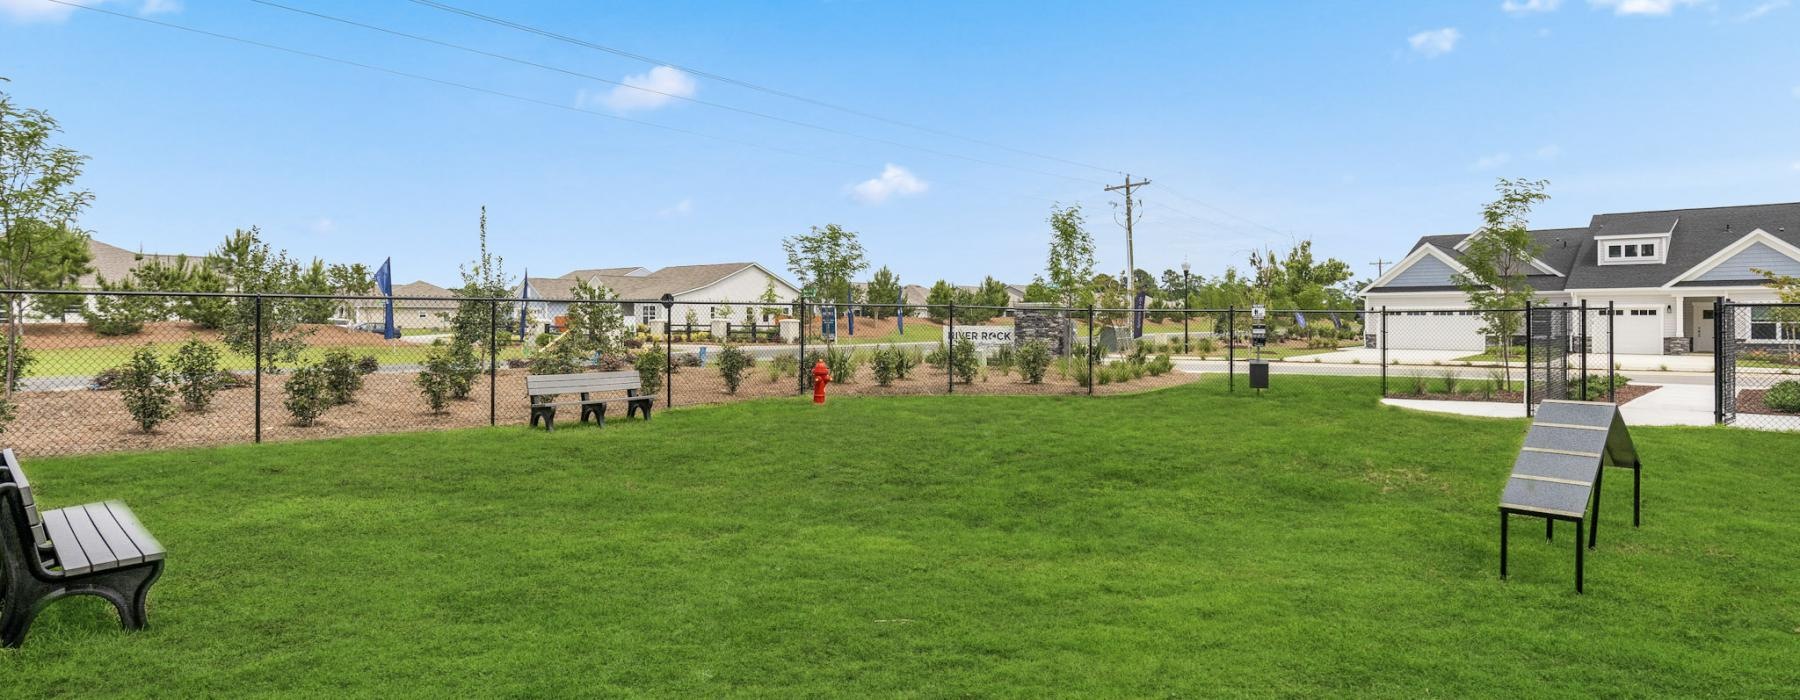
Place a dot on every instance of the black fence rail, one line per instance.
(1757, 373)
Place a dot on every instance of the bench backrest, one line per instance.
(10, 471)
(581, 383)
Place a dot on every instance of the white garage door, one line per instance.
(1637, 331)
(1435, 330)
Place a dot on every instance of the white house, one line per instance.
(1661, 270)
(706, 290)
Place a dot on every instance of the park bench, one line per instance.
(586, 384)
(97, 549)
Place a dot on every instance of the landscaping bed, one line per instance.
(1751, 401)
(1624, 395)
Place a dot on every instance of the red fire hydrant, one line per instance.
(821, 377)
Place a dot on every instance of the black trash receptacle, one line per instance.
(1259, 374)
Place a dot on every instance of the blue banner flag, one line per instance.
(1300, 318)
(524, 294)
(384, 281)
(1137, 316)
(850, 314)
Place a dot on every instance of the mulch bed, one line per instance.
(1625, 395)
(85, 422)
(1751, 401)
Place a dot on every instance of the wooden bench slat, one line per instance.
(100, 557)
(68, 550)
(16, 474)
(124, 551)
(147, 545)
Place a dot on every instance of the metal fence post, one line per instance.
(1586, 342)
(1383, 341)
(668, 358)
(1612, 350)
(950, 351)
(1230, 348)
(1528, 344)
(493, 362)
(1719, 368)
(800, 376)
(1089, 351)
(259, 364)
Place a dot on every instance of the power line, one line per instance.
(744, 83)
(715, 105)
(1244, 219)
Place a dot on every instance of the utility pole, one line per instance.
(1379, 263)
(1130, 264)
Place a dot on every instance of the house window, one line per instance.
(1632, 252)
(1774, 324)
(648, 311)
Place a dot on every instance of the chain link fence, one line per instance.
(143, 370)
(1757, 377)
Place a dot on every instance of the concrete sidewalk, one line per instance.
(1670, 404)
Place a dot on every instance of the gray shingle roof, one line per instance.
(114, 263)
(1695, 236)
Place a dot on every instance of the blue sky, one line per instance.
(1358, 125)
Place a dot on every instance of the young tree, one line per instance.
(1040, 291)
(938, 300)
(884, 288)
(483, 277)
(1496, 260)
(595, 320)
(769, 300)
(249, 267)
(354, 280)
(825, 260)
(39, 247)
(315, 280)
(1071, 264)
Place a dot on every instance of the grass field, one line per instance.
(1184, 542)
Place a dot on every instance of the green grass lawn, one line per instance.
(1178, 543)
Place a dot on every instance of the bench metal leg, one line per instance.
(638, 408)
(1580, 551)
(547, 414)
(597, 410)
(1594, 521)
(1503, 545)
(127, 589)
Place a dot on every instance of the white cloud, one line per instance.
(1492, 161)
(323, 225)
(651, 90)
(1797, 166)
(1435, 42)
(1641, 7)
(1763, 9)
(1521, 7)
(678, 209)
(28, 11)
(1797, 91)
(894, 180)
(1548, 152)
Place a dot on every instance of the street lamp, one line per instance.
(1187, 298)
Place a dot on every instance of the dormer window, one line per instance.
(1636, 250)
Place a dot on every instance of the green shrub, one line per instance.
(144, 387)
(842, 365)
(1784, 396)
(1418, 383)
(938, 357)
(650, 365)
(342, 378)
(367, 364)
(1034, 361)
(783, 366)
(1003, 359)
(114, 315)
(1450, 380)
(884, 365)
(1597, 385)
(196, 372)
(731, 363)
(1205, 346)
(908, 359)
(435, 385)
(965, 360)
(1159, 365)
(450, 369)
(8, 412)
(308, 393)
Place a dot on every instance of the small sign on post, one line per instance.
(983, 337)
